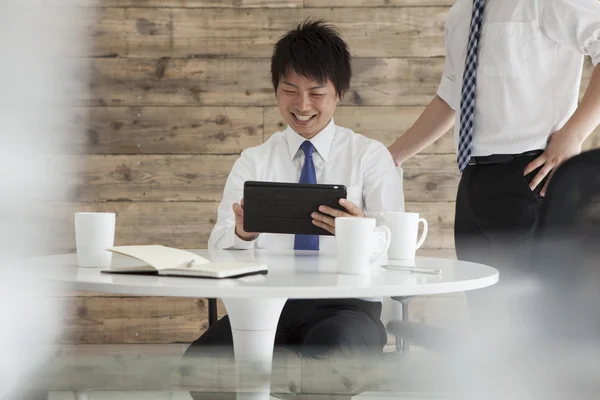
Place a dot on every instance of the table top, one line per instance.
(292, 274)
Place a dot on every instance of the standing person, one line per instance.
(510, 86)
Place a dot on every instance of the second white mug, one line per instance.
(355, 239)
(404, 227)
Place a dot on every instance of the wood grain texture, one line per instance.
(165, 130)
(440, 253)
(182, 224)
(160, 320)
(132, 320)
(167, 81)
(191, 3)
(384, 124)
(188, 224)
(154, 178)
(377, 3)
(440, 218)
(251, 33)
(202, 177)
(430, 177)
(104, 30)
(226, 130)
(244, 82)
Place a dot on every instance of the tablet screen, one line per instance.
(273, 207)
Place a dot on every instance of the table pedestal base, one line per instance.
(254, 324)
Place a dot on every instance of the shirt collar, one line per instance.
(321, 141)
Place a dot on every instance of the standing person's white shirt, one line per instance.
(341, 156)
(529, 69)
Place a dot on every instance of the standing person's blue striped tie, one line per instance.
(469, 86)
(308, 175)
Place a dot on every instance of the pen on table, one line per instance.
(192, 262)
(414, 269)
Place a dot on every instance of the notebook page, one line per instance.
(160, 257)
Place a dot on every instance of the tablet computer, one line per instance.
(273, 207)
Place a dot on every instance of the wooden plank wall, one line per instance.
(178, 88)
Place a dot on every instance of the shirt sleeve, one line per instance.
(446, 91)
(573, 23)
(223, 234)
(382, 186)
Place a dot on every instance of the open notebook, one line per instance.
(162, 260)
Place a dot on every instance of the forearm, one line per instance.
(587, 116)
(433, 123)
(223, 237)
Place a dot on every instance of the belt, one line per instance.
(502, 158)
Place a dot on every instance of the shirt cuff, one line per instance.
(242, 244)
(446, 91)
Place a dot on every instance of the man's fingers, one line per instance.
(323, 225)
(242, 202)
(352, 208)
(543, 191)
(324, 219)
(545, 188)
(539, 177)
(238, 209)
(535, 164)
(333, 212)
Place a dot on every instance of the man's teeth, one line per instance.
(302, 117)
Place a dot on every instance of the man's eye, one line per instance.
(289, 91)
(318, 95)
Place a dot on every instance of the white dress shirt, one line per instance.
(530, 64)
(341, 156)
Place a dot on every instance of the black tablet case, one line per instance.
(271, 207)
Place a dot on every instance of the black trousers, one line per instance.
(496, 216)
(313, 328)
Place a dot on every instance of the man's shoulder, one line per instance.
(357, 140)
(274, 140)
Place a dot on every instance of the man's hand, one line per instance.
(562, 146)
(326, 216)
(238, 210)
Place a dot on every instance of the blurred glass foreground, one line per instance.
(38, 43)
(547, 348)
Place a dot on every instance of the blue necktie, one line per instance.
(469, 86)
(308, 175)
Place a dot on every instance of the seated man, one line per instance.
(311, 71)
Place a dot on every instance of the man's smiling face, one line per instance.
(305, 104)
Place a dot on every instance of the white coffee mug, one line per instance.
(355, 239)
(404, 227)
(94, 233)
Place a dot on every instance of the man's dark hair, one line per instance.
(314, 50)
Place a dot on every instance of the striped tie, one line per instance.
(469, 86)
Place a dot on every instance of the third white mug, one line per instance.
(404, 227)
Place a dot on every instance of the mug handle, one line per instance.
(388, 240)
(423, 234)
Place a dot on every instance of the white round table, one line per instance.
(254, 303)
